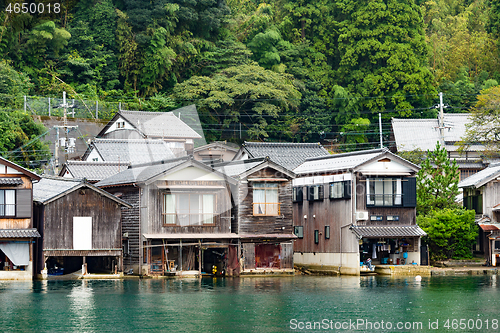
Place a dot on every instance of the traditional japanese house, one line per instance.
(180, 222)
(482, 194)
(80, 226)
(262, 214)
(286, 154)
(17, 233)
(354, 206)
(447, 129)
(166, 126)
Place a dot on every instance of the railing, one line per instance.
(266, 209)
(384, 200)
(173, 219)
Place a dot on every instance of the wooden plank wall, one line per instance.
(286, 255)
(130, 222)
(334, 213)
(154, 203)
(105, 213)
(250, 224)
(13, 223)
(249, 255)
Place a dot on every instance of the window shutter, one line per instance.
(24, 203)
(347, 189)
(409, 192)
(321, 192)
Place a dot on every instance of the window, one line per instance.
(315, 192)
(316, 236)
(327, 232)
(384, 192)
(265, 199)
(340, 190)
(16, 203)
(7, 202)
(185, 209)
(297, 194)
(299, 231)
(120, 124)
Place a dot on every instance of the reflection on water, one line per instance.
(244, 304)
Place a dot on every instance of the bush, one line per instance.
(450, 232)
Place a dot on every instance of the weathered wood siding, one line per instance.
(105, 213)
(315, 215)
(249, 224)
(17, 223)
(154, 203)
(287, 255)
(248, 255)
(407, 215)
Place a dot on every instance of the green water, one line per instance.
(250, 304)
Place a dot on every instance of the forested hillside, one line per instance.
(291, 70)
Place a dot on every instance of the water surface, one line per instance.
(251, 304)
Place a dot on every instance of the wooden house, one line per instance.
(354, 206)
(482, 194)
(262, 214)
(180, 222)
(17, 233)
(80, 224)
(166, 126)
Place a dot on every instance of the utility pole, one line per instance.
(66, 128)
(441, 118)
(380, 129)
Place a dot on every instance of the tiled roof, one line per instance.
(19, 233)
(50, 187)
(388, 231)
(235, 168)
(217, 144)
(95, 171)
(482, 177)
(162, 124)
(11, 181)
(288, 155)
(133, 151)
(338, 161)
(142, 173)
(423, 134)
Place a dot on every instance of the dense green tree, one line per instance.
(20, 140)
(450, 233)
(382, 55)
(437, 182)
(247, 94)
(485, 122)
(12, 84)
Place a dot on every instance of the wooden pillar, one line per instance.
(492, 253)
(180, 255)
(199, 257)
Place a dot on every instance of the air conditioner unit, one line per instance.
(361, 216)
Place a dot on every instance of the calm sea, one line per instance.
(301, 303)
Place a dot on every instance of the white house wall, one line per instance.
(385, 168)
(114, 127)
(192, 173)
(5, 170)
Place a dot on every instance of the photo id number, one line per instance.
(33, 8)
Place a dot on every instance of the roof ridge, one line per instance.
(250, 160)
(97, 162)
(52, 177)
(354, 153)
(188, 157)
(298, 144)
(147, 112)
